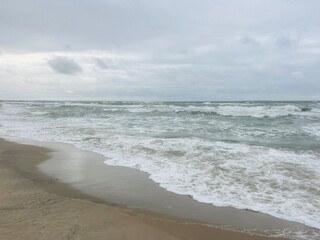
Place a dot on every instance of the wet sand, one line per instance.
(36, 206)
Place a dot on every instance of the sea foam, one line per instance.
(258, 156)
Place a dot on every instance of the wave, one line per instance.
(261, 111)
(225, 110)
(249, 109)
(39, 113)
(313, 130)
(202, 113)
(221, 174)
(183, 154)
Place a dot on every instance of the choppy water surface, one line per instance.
(263, 156)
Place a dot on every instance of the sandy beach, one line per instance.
(33, 206)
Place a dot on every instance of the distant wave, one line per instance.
(197, 113)
(228, 110)
(236, 111)
(246, 109)
(261, 111)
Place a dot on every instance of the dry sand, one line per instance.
(33, 206)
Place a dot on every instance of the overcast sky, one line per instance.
(160, 49)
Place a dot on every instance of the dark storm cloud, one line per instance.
(64, 65)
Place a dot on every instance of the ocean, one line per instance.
(261, 156)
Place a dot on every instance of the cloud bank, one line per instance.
(160, 50)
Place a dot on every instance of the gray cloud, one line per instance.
(101, 64)
(64, 65)
(104, 63)
(186, 50)
(285, 41)
(249, 41)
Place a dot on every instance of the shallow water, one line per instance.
(262, 156)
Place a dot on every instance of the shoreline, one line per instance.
(28, 169)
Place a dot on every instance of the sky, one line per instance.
(168, 50)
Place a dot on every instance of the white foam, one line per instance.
(39, 113)
(258, 111)
(229, 175)
(230, 109)
(279, 182)
(313, 130)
